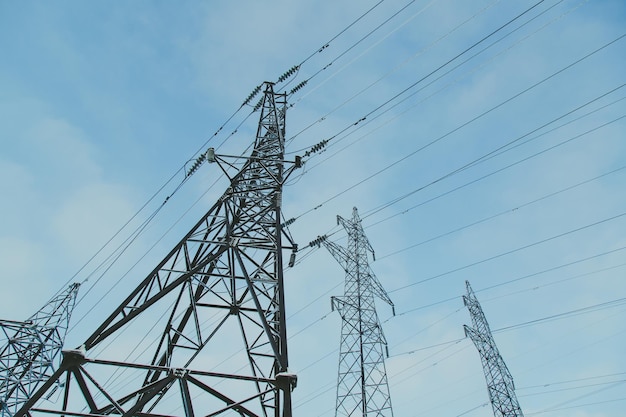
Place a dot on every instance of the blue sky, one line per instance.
(102, 103)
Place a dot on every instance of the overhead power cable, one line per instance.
(327, 44)
(549, 384)
(587, 309)
(562, 315)
(504, 148)
(472, 409)
(539, 242)
(579, 406)
(371, 119)
(474, 162)
(577, 387)
(469, 58)
(560, 405)
(566, 314)
(311, 90)
(354, 45)
(533, 288)
(575, 262)
(475, 44)
(493, 216)
(362, 119)
(475, 118)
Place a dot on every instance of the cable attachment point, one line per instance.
(258, 105)
(288, 222)
(299, 86)
(317, 241)
(292, 258)
(196, 165)
(288, 74)
(317, 147)
(208, 156)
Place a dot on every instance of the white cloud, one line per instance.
(97, 108)
(63, 150)
(20, 277)
(89, 216)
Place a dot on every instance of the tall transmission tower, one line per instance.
(499, 380)
(30, 351)
(362, 387)
(223, 345)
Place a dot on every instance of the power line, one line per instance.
(548, 384)
(369, 86)
(577, 406)
(578, 387)
(491, 217)
(363, 118)
(578, 397)
(565, 314)
(539, 242)
(369, 120)
(343, 31)
(504, 148)
(450, 132)
(367, 35)
(568, 188)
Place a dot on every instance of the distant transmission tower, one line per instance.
(219, 300)
(362, 388)
(499, 380)
(30, 351)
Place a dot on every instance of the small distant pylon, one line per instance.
(31, 350)
(499, 380)
(362, 387)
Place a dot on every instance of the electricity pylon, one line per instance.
(499, 380)
(30, 351)
(362, 388)
(223, 345)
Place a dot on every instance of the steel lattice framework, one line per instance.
(499, 380)
(362, 387)
(31, 350)
(222, 288)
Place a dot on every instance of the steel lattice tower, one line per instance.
(499, 380)
(362, 388)
(31, 350)
(222, 289)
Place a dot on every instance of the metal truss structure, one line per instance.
(30, 351)
(218, 297)
(362, 387)
(499, 380)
